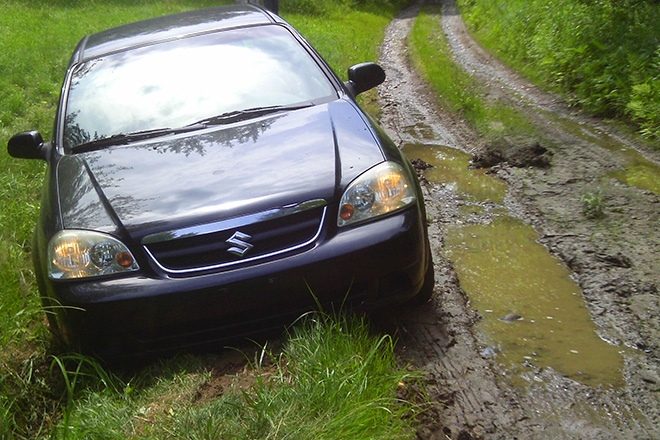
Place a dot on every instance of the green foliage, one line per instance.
(602, 53)
(320, 8)
(593, 205)
(644, 105)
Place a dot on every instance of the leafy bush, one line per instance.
(644, 105)
(603, 53)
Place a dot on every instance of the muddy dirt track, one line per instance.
(613, 260)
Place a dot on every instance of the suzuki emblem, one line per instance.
(240, 242)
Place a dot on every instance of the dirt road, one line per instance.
(478, 389)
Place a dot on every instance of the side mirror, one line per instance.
(27, 145)
(364, 76)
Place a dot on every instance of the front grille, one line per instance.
(211, 251)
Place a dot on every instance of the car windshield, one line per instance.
(177, 83)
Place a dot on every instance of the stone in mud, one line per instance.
(420, 165)
(511, 317)
(517, 152)
(488, 352)
(617, 260)
(486, 159)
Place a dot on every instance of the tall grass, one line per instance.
(345, 32)
(332, 381)
(324, 8)
(604, 54)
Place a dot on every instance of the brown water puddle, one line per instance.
(638, 172)
(450, 166)
(533, 311)
(532, 308)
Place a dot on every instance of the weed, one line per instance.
(593, 205)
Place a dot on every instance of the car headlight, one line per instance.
(81, 254)
(380, 190)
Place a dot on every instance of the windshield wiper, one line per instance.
(126, 138)
(238, 115)
(224, 118)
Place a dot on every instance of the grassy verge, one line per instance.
(604, 54)
(36, 39)
(456, 88)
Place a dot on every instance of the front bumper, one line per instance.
(369, 265)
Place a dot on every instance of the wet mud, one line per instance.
(544, 322)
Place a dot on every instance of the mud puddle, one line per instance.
(450, 168)
(533, 312)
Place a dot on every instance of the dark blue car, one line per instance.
(210, 176)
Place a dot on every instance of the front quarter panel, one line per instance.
(356, 145)
(81, 205)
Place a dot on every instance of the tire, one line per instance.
(426, 292)
(58, 341)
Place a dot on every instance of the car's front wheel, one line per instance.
(426, 292)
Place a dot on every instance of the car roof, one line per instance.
(171, 27)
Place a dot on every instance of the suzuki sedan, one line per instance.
(210, 176)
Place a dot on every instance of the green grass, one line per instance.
(456, 89)
(603, 54)
(36, 40)
(332, 380)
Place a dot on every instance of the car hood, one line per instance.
(218, 173)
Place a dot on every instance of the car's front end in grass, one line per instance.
(373, 264)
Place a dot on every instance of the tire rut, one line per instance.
(503, 83)
(413, 120)
(466, 400)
